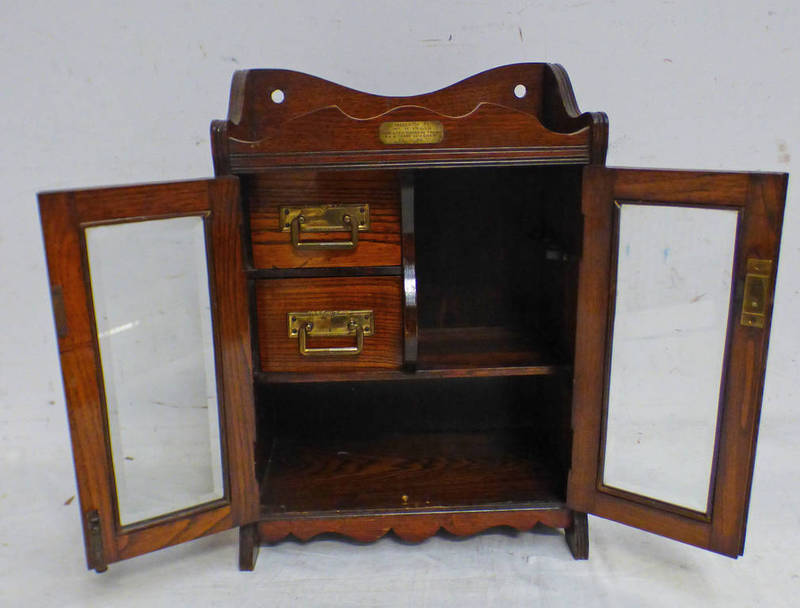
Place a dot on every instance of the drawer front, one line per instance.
(280, 350)
(274, 198)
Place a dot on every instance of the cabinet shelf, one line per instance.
(479, 351)
(471, 352)
(409, 472)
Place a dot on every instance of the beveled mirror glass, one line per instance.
(152, 308)
(671, 310)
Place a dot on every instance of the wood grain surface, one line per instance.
(410, 527)
(760, 200)
(323, 124)
(410, 470)
(64, 217)
(275, 298)
(265, 193)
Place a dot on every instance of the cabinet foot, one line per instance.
(248, 546)
(577, 535)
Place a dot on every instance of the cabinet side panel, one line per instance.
(233, 334)
(590, 336)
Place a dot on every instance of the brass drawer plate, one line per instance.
(326, 218)
(331, 323)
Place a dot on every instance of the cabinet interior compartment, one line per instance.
(484, 421)
(496, 266)
(411, 445)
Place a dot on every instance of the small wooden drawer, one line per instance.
(279, 348)
(276, 198)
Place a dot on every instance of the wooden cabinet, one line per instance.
(407, 314)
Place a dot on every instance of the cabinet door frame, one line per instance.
(759, 198)
(64, 216)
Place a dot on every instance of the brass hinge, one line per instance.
(59, 311)
(97, 558)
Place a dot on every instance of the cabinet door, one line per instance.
(150, 303)
(675, 296)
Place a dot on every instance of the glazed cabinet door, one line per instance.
(674, 303)
(150, 303)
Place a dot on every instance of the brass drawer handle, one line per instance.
(331, 323)
(298, 244)
(325, 218)
(330, 351)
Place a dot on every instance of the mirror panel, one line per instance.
(672, 301)
(152, 306)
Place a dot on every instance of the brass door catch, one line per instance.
(756, 292)
(324, 218)
(328, 324)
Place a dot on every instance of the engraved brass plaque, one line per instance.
(756, 292)
(411, 132)
(327, 323)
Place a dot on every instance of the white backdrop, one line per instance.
(97, 93)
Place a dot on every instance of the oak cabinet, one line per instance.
(407, 314)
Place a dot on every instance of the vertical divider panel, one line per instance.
(410, 318)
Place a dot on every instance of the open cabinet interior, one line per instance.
(483, 418)
(496, 252)
(409, 445)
